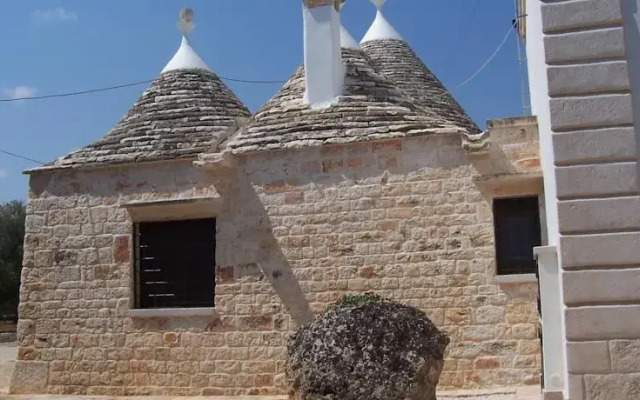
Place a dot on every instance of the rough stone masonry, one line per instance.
(402, 218)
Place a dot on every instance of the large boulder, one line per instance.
(367, 349)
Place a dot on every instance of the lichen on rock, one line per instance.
(367, 348)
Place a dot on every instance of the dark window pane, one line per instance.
(517, 232)
(175, 264)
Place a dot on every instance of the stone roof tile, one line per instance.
(371, 108)
(183, 113)
(401, 65)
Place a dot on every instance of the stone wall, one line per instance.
(296, 231)
(590, 47)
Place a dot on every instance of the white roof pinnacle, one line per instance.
(346, 40)
(381, 28)
(186, 57)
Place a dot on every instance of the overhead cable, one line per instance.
(486, 64)
(21, 157)
(126, 85)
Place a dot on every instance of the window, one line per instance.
(517, 232)
(175, 264)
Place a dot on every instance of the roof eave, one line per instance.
(103, 165)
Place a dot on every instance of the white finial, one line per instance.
(379, 3)
(186, 57)
(381, 29)
(346, 39)
(186, 24)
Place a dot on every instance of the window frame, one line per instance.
(137, 264)
(513, 273)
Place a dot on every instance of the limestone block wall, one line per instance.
(510, 150)
(589, 46)
(517, 140)
(296, 230)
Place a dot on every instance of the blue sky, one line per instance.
(61, 46)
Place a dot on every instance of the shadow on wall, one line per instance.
(319, 175)
(245, 235)
(250, 185)
(250, 236)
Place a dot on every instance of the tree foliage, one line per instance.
(12, 219)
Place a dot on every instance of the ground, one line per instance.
(8, 352)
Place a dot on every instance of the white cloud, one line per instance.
(3, 173)
(59, 14)
(19, 92)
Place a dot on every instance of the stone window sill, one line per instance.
(516, 279)
(173, 313)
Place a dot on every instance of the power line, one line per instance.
(486, 64)
(51, 96)
(21, 157)
(246, 81)
(464, 83)
(482, 68)
(126, 85)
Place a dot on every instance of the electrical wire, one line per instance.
(257, 82)
(51, 96)
(491, 58)
(21, 157)
(126, 85)
(464, 83)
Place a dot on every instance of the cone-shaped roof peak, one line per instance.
(381, 28)
(346, 39)
(186, 57)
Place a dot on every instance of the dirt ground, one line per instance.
(8, 353)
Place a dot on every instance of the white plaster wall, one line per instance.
(631, 15)
(592, 120)
(539, 89)
(540, 106)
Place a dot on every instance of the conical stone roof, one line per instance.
(397, 61)
(185, 112)
(371, 107)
